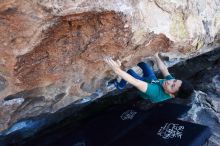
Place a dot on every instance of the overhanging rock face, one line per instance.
(51, 51)
(204, 111)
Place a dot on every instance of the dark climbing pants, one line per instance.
(148, 74)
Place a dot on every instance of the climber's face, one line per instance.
(171, 86)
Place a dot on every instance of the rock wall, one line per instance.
(206, 104)
(51, 50)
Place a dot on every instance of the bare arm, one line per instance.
(161, 66)
(141, 85)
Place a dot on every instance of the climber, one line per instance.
(156, 90)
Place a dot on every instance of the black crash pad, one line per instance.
(118, 121)
(107, 127)
(165, 133)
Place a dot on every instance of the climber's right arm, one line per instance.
(141, 85)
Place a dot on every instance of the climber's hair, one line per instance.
(185, 90)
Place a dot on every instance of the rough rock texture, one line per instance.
(51, 51)
(206, 105)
